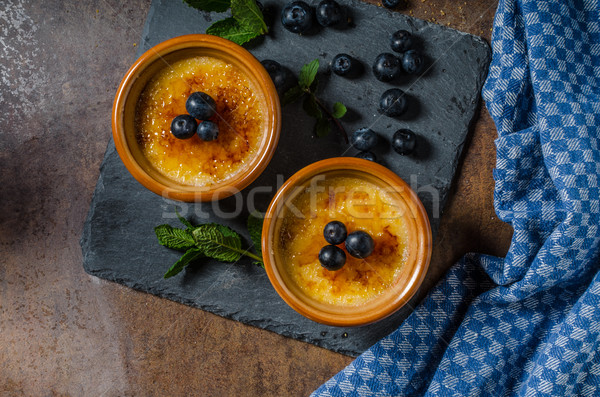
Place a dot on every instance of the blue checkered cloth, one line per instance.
(528, 324)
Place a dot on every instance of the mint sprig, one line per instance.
(312, 105)
(246, 21)
(209, 240)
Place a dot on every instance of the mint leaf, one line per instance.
(314, 85)
(209, 5)
(292, 95)
(339, 110)
(190, 256)
(322, 127)
(255, 225)
(174, 238)
(246, 23)
(311, 108)
(183, 220)
(231, 29)
(218, 242)
(249, 16)
(308, 74)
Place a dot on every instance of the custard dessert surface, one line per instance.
(239, 116)
(360, 205)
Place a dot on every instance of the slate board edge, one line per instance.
(84, 241)
(133, 284)
(159, 292)
(460, 149)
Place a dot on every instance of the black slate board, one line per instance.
(118, 242)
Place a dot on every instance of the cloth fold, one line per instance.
(527, 324)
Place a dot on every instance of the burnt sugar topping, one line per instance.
(239, 117)
(361, 206)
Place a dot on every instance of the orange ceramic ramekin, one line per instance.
(161, 56)
(412, 271)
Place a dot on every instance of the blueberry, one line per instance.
(330, 13)
(359, 244)
(281, 76)
(208, 131)
(184, 126)
(200, 106)
(401, 41)
(276, 72)
(391, 4)
(335, 232)
(412, 62)
(367, 156)
(364, 139)
(297, 17)
(332, 257)
(387, 67)
(404, 141)
(393, 103)
(345, 65)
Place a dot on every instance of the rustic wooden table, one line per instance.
(63, 332)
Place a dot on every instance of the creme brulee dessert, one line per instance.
(361, 205)
(239, 117)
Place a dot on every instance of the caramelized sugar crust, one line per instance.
(360, 205)
(239, 116)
